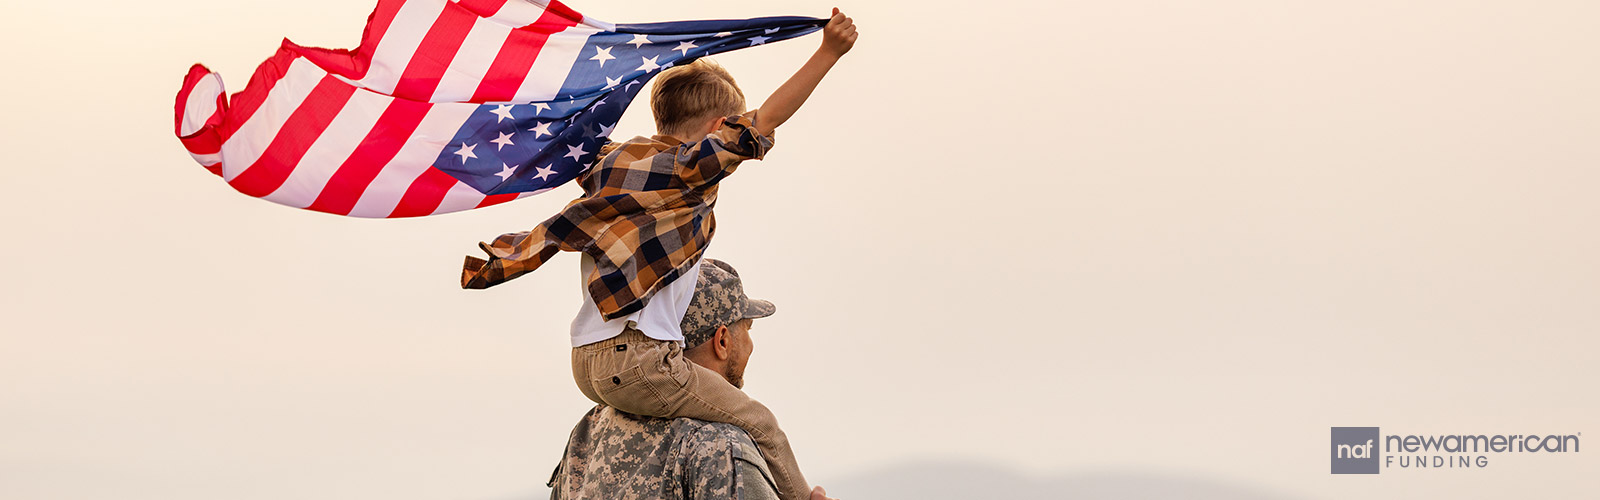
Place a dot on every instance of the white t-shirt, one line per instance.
(660, 319)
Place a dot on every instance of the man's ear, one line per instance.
(720, 343)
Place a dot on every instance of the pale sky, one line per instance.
(1158, 242)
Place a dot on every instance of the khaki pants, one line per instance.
(645, 376)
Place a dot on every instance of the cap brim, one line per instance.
(757, 308)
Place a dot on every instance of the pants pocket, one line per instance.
(675, 365)
(628, 391)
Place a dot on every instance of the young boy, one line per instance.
(642, 227)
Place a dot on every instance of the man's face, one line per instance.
(739, 349)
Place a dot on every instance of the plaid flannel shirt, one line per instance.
(645, 217)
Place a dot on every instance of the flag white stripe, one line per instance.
(430, 138)
(459, 197)
(201, 104)
(252, 138)
(471, 63)
(207, 160)
(598, 24)
(554, 63)
(469, 198)
(335, 145)
(411, 23)
(519, 13)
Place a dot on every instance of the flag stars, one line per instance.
(504, 113)
(649, 64)
(466, 152)
(505, 171)
(684, 47)
(630, 85)
(539, 106)
(639, 41)
(576, 153)
(771, 31)
(612, 82)
(602, 54)
(545, 172)
(758, 40)
(723, 34)
(502, 141)
(605, 130)
(542, 129)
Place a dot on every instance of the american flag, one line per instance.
(445, 105)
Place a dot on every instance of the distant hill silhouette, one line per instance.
(954, 480)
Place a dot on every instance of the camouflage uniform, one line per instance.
(616, 455)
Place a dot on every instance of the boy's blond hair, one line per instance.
(686, 96)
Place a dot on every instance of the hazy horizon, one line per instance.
(1176, 238)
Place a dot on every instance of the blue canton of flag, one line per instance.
(507, 148)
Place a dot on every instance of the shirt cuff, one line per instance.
(739, 136)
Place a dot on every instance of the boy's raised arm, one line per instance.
(837, 39)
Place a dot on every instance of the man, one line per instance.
(612, 454)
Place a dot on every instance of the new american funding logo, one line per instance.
(1364, 450)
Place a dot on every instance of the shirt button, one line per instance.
(616, 380)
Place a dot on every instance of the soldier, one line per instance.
(612, 454)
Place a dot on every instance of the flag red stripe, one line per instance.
(484, 8)
(377, 26)
(393, 128)
(425, 194)
(296, 135)
(245, 103)
(565, 11)
(496, 199)
(354, 64)
(438, 48)
(511, 65)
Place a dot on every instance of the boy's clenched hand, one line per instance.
(837, 38)
(839, 35)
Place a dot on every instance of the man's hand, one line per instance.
(817, 493)
(839, 35)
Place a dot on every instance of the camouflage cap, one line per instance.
(719, 300)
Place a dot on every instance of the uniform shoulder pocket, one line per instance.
(755, 479)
